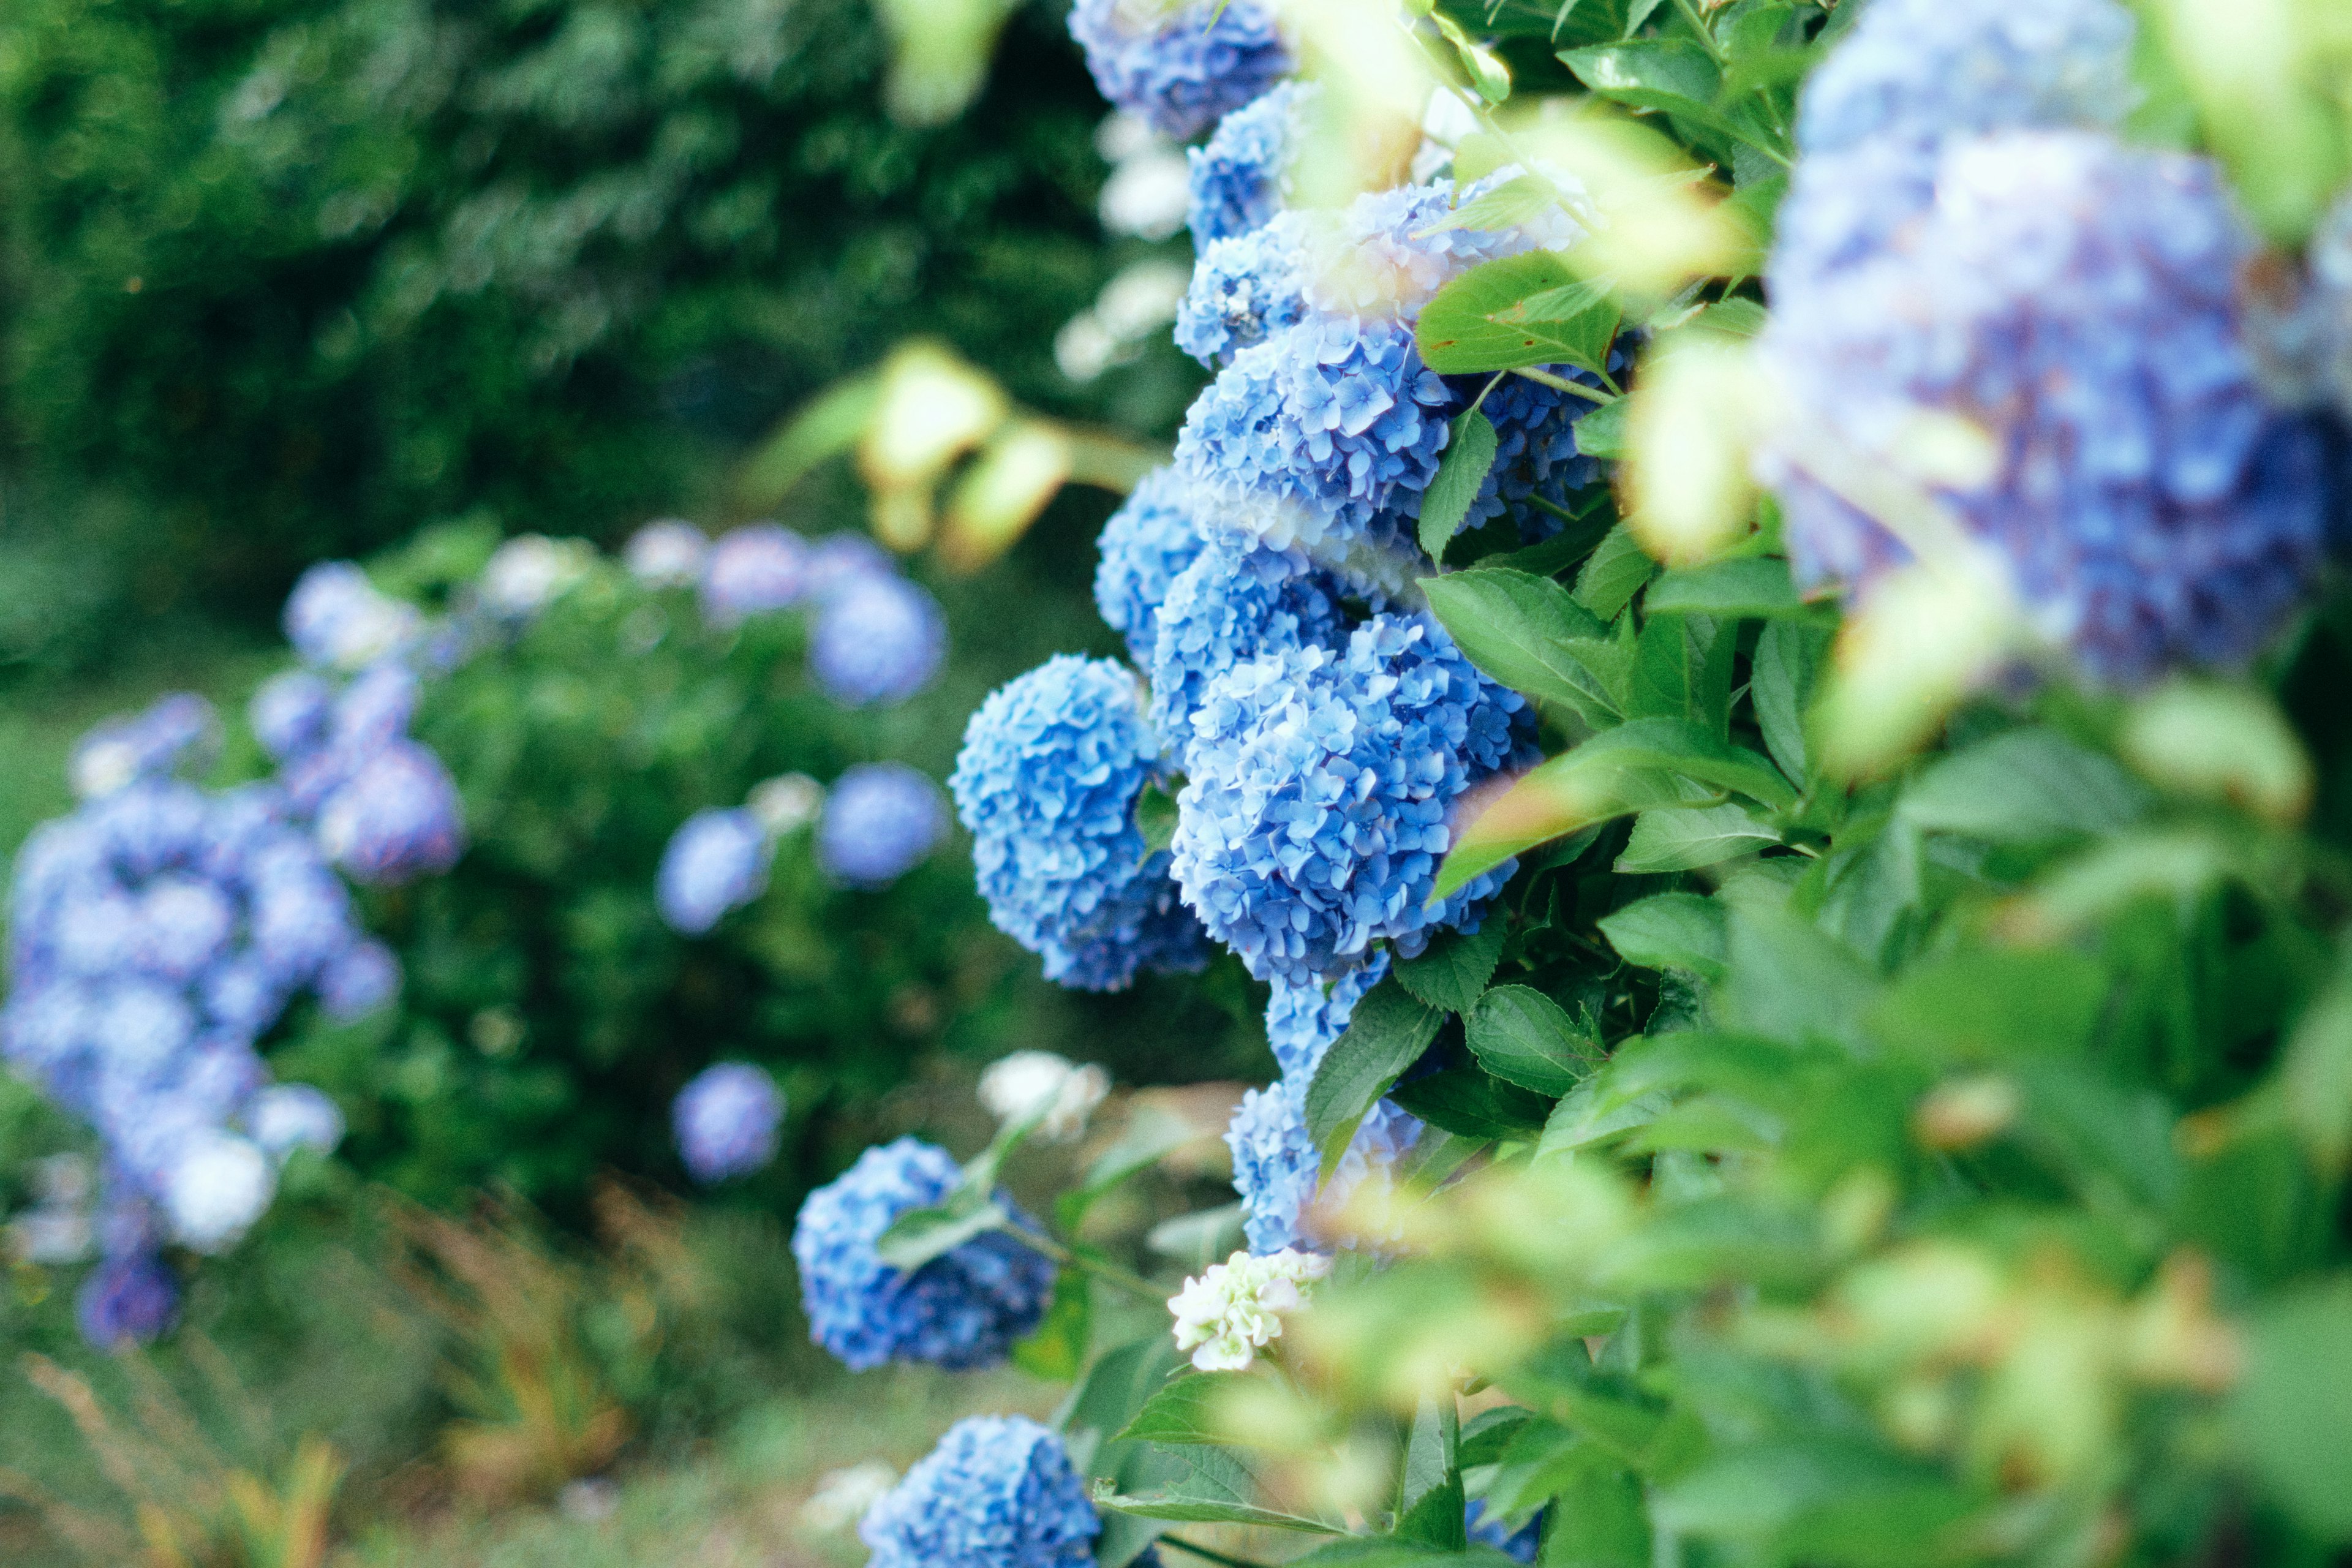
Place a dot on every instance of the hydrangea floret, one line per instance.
(1234, 1309)
(999, 1491)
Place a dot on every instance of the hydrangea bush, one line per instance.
(1747, 651)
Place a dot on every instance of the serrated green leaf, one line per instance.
(1523, 1037)
(1670, 931)
(1386, 1034)
(1429, 1489)
(1469, 454)
(1531, 635)
(1682, 669)
(1182, 1411)
(1217, 1490)
(1470, 1102)
(1692, 837)
(1453, 970)
(1788, 656)
(918, 1235)
(1755, 586)
(1476, 322)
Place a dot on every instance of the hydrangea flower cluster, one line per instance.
(2071, 302)
(999, 1491)
(877, 639)
(880, 822)
(726, 1119)
(156, 935)
(718, 860)
(1148, 540)
(751, 571)
(1234, 1309)
(1048, 782)
(1181, 64)
(964, 1309)
(1242, 178)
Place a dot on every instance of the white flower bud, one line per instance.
(1225, 1316)
(1039, 1086)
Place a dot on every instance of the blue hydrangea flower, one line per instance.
(289, 1116)
(1536, 453)
(726, 1122)
(1922, 70)
(1387, 253)
(289, 714)
(1244, 290)
(1519, 1545)
(337, 620)
(1181, 64)
(876, 640)
(1052, 767)
(1320, 790)
(963, 1309)
(2074, 300)
(1303, 1017)
(718, 860)
(751, 570)
(1275, 1164)
(880, 820)
(363, 978)
(1235, 601)
(839, 560)
(1148, 541)
(1242, 178)
(129, 1299)
(667, 554)
(152, 743)
(998, 1492)
(397, 817)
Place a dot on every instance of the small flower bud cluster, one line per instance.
(1228, 1314)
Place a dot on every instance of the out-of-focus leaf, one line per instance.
(2315, 1076)
(1056, 1349)
(1453, 970)
(2290, 1417)
(2025, 787)
(828, 427)
(1689, 492)
(1615, 574)
(1217, 1490)
(1386, 1034)
(1524, 1037)
(1469, 454)
(1994, 1005)
(918, 1235)
(1601, 434)
(1670, 931)
(1429, 1490)
(1780, 688)
(1755, 586)
(2212, 742)
(1787, 980)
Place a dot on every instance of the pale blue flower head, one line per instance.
(881, 820)
(999, 1491)
(336, 619)
(1052, 769)
(1181, 64)
(397, 818)
(1242, 177)
(876, 640)
(289, 1116)
(1235, 601)
(1245, 288)
(726, 1121)
(1148, 541)
(176, 731)
(751, 570)
(964, 1309)
(364, 977)
(718, 860)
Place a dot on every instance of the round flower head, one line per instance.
(1536, 453)
(1519, 1545)
(1304, 1017)
(839, 560)
(1052, 767)
(1320, 787)
(526, 574)
(397, 818)
(1234, 1309)
(1275, 1167)
(289, 1116)
(998, 1492)
(1247, 287)
(963, 1309)
(132, 1298)
(154, 743)
(1924, 70)
(1148, 541)
(1242, 178)
(668, 554)
(726, 1122)
(878, 640)
(214, 1192)
(2068, 305)
(361, 979)
(751, 570)
(716, 861)
(289, 714)
(337, 620)
(880, 820)
(1181, 64)
(1235, 601)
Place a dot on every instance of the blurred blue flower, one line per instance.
(1921, 71)
(153, 744)
(131, 1298)
(964, 1309)
(751, 570)
(1148, 541)
(1241, 178)
(1275, 1167)
(667, 554)
(337, 620)
(289, 1116)
(289, 714)
(876, 640)
(726, 1121)
(718, 860)
(2069, 305)
(1048, 780)
(880, 820)
(1519, 1545)
(1320, 790)
(999, 1491)
(361, 979)
(1181, 64)
(395, 819)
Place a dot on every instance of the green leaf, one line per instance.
(1673, 74)
(1981, 1003)
(1182, 1411)
(1671, 931)
(1387, 1033)
(1471, 1103)
(1691, 838)
(1056, 1349)
(1217, 1490)
(1780, 688)
(1599, 1519)
(1115, 1386)
(1469, 454)
(2292, 1413)
(1155, 817)
(1523, 1037)
(918, 1235)
(1601, 434)
(1429, 1491)
(1488, 1436)
(1453, 970)
(1618, 568)
(1683, 671)
(1755, 586)
(1530, 634)
(1151, 1135)
(1788, 980)
(1514, 204)
(1829, 1486)
(1481, 322)
(2315, 1075)
(2025, 787)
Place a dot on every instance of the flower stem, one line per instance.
(1135, 1285)
(1561, 384)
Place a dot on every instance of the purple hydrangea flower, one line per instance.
(2074, 301)
(1148, 541)
(880, 820)
(337, 620)
(726, 1122)
(839, 560)
(397, 817)
(1181, 64)
(718, 860)
(1048, 781)
(876, 640)
(754, 569)
(963, 1309)
(999, 1491)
